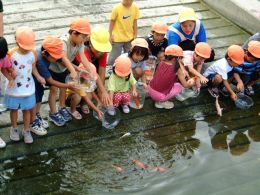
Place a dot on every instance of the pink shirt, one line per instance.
(188, 59)
(5, 63)
(164, 78)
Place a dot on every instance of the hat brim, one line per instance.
(239, 62)
(55, 56)
(101, 47)
(27, 47)
(121, 74)
(187, 18)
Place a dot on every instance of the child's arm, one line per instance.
(69, 65)
(185, 72)
(196, 73)
(84, 60)
(135, 28)
(105, 98)
(240, 84)
(35, 72)
(143, 79)
(134, 92)
(111, 26)
(230, 91)
(95, 97)
(8, 76)
(91, 105)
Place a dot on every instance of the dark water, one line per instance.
(202, 154)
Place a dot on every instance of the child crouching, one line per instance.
(163, 86)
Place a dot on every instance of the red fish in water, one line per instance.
(160, 169)
(118, 168)
(140, 164)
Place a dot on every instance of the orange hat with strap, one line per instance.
(203, 49)
(160, 27)
(254, 48)
(187, 14)
(122, 66)
(80, 25)
(174, 50)
(25, 38)
(236, 54)
(54, 46)
(141, 42)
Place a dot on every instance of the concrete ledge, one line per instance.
(246, 14)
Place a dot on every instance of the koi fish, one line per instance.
(219, 109)
(140, 164)
(125, 135)
(160, 169)
(118, 168)
(137, 102)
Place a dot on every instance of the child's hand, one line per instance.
(111, 39)
(41, 80)
(100, 115)
(203, 80)
(10, 83)
(73, 75)
(240, 86)
(73, 87)
(233, 96)
(134, 93)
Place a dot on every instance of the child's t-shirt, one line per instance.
(156, 48)
(42, 65)
(174, 38)
(188, 59)
(124, 17)
(5, 63)
(220, 67)
(118, 84)
(163, 78)
(140, 64)
(71, 52)
(22, 65)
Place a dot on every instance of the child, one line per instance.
(189, 73)
(187, 32)
(163, 86)
(122, 28)
(120, 81)
(51, 50)
(5, 66)
(217, 73)
(156, 40)
(249, 70)
(22, 96)
(74, 97)
(139, 52)
(72, 44)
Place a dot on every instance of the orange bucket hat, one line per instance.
(254, 48)
(174, 50)
(203, 49)
(236, 53)
(80, 25)
(160, 27)
(141, 42)
(25, 37)
(54, 46)
(123, 66)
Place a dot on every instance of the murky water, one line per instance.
(201, 155)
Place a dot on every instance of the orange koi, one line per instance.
(160, 169)
(118, 168)
(140, 164)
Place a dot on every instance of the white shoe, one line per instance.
(28, 139)
(168, 105)
(14, 134)
(38, 129)
(159, 105)
(126, 109)
(2, 143)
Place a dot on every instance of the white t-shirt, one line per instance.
(24, 83)
(220, 67)
(71, 52)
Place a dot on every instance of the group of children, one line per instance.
(180, 52)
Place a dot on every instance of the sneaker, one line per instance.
(14, 134)
(214, 92)
(65, 114)
(224, 92)
(27, 137)
(57, 119)
(249, 90)
(2, 143)
(168, 105)
(43, 122)
(37, 128)
(158, 105)
(126, 109)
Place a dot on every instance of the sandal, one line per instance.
(76, 115)
(85, 109)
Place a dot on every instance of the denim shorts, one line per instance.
(59, 76)
(23, 103)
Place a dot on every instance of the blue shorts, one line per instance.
(39, 91)
(23, 103)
